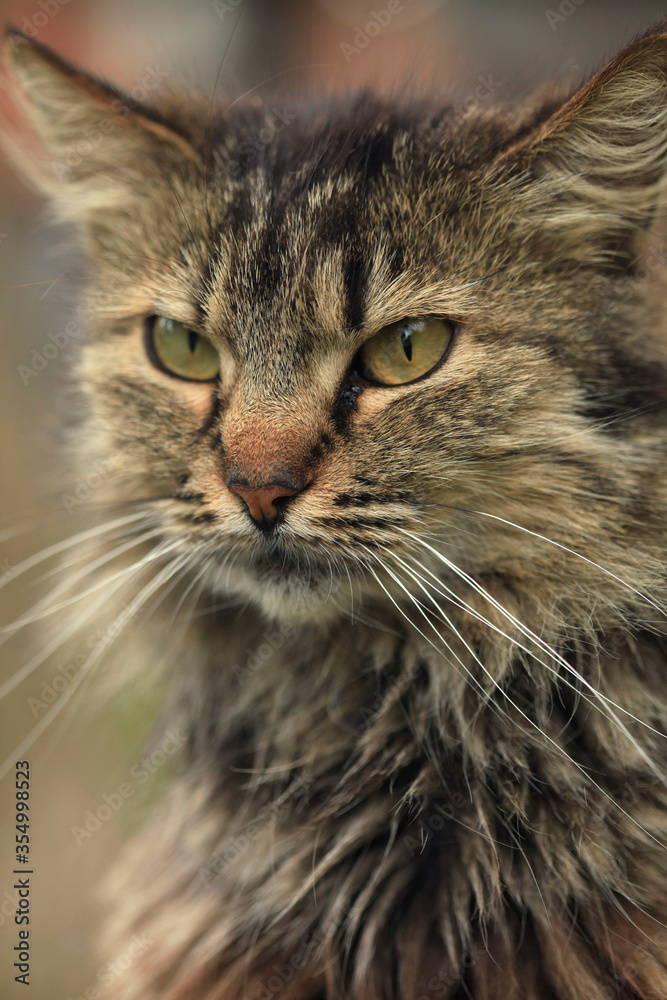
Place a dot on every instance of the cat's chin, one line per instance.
(286, 597)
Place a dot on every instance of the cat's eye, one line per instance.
(181, 351)
(404, 351)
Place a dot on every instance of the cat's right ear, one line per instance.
(95, 142)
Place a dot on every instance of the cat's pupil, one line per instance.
(406, 342)
(193, 340)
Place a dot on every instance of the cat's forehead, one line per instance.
(278, 264)
(318, 214)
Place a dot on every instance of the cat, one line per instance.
(394, 394)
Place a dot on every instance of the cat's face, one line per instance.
(316, 456)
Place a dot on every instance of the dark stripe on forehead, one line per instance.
(267, 261)
(377, 154)
(289, 192)
(355, 138)
(239, 211)
(355, 284)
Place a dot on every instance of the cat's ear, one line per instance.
(597, 165)
(96, 143)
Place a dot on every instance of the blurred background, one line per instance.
(481, 51)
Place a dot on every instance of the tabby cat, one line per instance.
(393, 395)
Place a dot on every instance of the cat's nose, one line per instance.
(264, 503)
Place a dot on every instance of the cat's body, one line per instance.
(426, 754)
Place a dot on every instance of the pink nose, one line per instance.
(261, 500)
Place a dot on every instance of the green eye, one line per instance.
(404, 351)
(182, 352)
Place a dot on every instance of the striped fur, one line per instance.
(446, 777)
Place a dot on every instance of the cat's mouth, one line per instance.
(286, 582)
(276, 562)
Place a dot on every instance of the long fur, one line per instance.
(426, 750)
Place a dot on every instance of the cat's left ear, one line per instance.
(98, 143)
(593, 172)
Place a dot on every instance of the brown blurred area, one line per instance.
(237, 45)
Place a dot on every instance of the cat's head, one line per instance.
(341, 343)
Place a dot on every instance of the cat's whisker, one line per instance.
(180, 565)
(65, 564)
(546, 736)
(349, 579)
(167, 179)
(573, 552)
(11, 533)
(40, 518)
(424, 584)
(540, 496)
(464, 673)
(44, 608)
(57, 548)
(191, 560)
(541, 644)
(346, 556)
(196, 585)
(485, 695)
(276, 76)
(230, 559)
(557, 657)
(111, 634)
(209, 121)
(193, 611)
(74, 626)
(466, 676)
(32, 284)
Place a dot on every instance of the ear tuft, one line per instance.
(47, 83)
(597, 167)
(92, 135)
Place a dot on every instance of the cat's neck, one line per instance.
(322, 763)
(288, 702)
